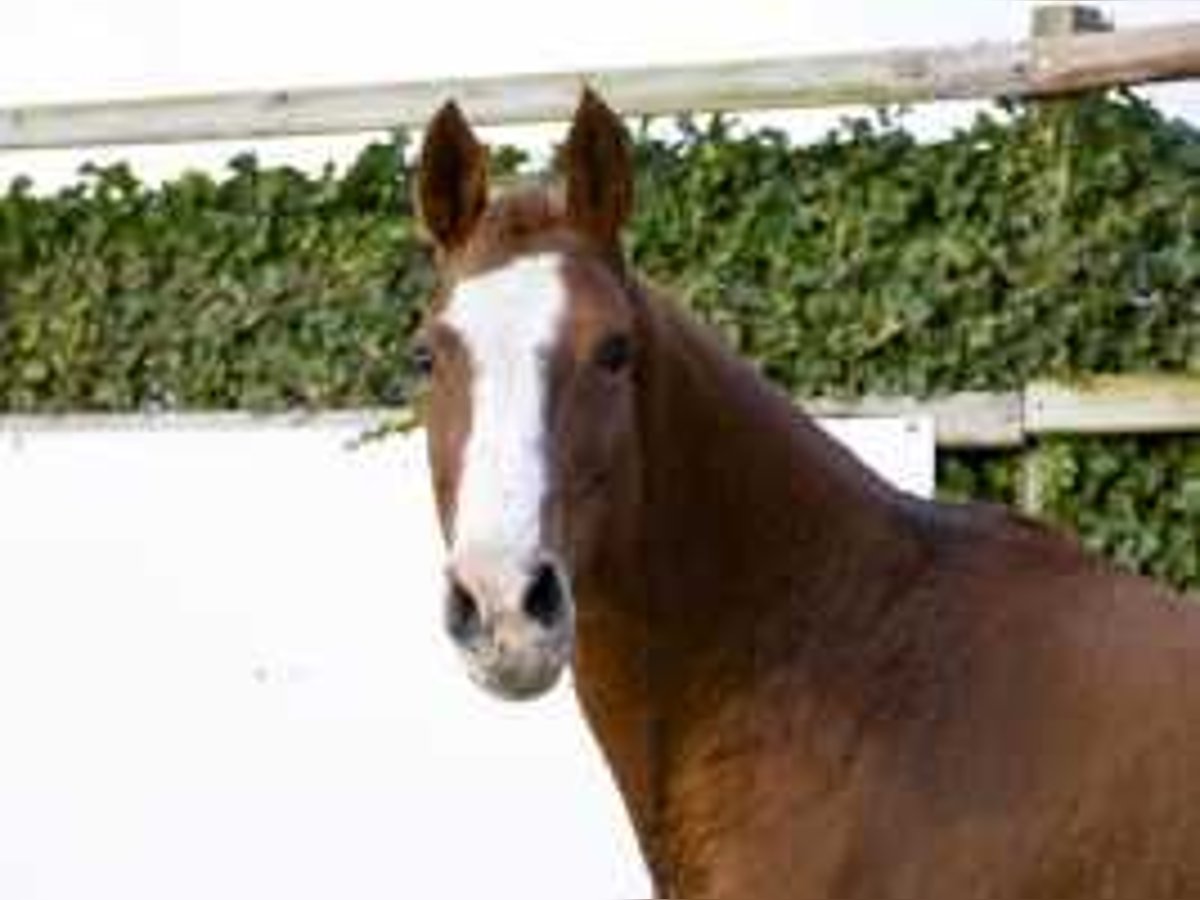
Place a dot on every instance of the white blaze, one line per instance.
(508, 319)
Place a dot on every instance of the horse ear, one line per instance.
(452, 179)
(599, 171)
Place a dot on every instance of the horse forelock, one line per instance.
(524, 221)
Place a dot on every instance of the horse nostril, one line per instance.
(462, 614)
(544, 601)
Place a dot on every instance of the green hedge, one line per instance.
(1046, 241)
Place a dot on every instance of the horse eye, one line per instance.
(614, 352)
(422, 359)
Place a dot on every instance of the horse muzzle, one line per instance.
(513, 625)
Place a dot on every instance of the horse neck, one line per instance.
(748, 519)
(747, 505)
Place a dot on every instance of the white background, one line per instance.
(223, 677)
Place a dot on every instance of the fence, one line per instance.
(1066, 53)
(1070, 49)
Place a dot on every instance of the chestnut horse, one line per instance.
(806, 683)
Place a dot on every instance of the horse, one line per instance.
(805, 682)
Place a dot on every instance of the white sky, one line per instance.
(63, 50)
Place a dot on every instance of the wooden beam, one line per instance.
(867, 78)
(1114, 404)
(1099, 405)
(982, 70)
(174, 420)
(970, 419)
(1095, 405)
(1086, 60)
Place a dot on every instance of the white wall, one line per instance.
(222, 675)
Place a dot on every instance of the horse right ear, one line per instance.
(452, 178)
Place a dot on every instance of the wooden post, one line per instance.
(1031, 484)
(1052, 21)
(1060, 19)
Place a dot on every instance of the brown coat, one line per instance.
(846, 692)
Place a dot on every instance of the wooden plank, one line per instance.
(1066, 64)
(985, 69)
(893, 76)
(968, 419)
(961, 420)
(1115, 404)
(1102, 405)
(218, 420)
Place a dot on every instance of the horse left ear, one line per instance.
(452, 179)
(599, 171)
